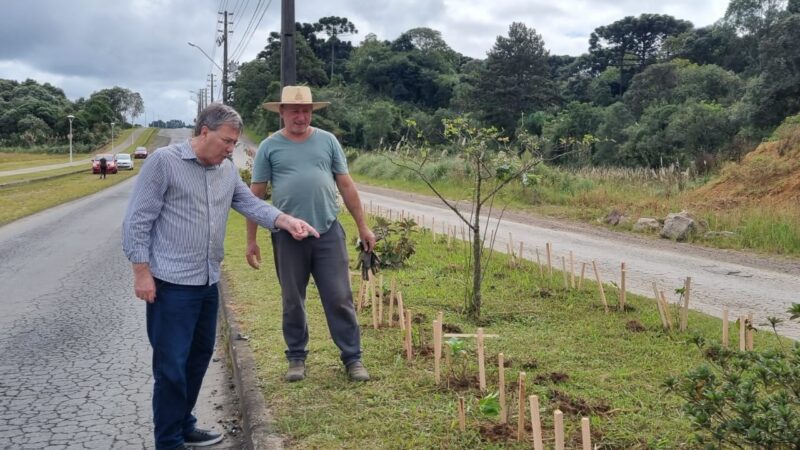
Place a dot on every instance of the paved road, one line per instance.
(75, 366)
(719, 278)
(117, 148)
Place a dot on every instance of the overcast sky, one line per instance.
(83, 46)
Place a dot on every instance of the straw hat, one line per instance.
(295, 95)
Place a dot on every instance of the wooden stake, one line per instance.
(750, 331)
(519, 255)
(665, 305)
(521, 412)
(583, 271)
(742, 334)
(558, 423)
(380, 300)
(410, 343)
(433, 228)
(564, 272)
(600, 285)
(685, 310)
(536, 423)
(373, 303)
(661, 312)
(539, 263)
(401, 310)
(586, 434)
(360, 295)
(462, 415)
(622, 292)
(469, 335)
(549, 247)
(481, 361)
(437, 350)
(571, 270)
(501, 387)
(725, 326)
(392, 299)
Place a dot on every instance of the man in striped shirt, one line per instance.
(173, 235)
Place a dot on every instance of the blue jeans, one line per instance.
(181, 326)
(326, 260)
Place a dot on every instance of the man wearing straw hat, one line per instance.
(306, 166)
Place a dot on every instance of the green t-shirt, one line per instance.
(302, 175)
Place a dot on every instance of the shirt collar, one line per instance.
(186, 150)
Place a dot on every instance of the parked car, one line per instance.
(124, 161)
(140, 153)
(111, 164)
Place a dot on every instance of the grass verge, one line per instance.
(609, 367)
(14, 161)
(589, 196)
(22, 200)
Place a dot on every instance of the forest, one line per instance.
(650, 91)
(34, 116)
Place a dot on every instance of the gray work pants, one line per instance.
(326, 260)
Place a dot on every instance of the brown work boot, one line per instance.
(297, 370)
(357, 372)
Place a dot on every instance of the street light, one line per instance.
(205, 54)
(112, 136)
(212, 77)
(70, 117)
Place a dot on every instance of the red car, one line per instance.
(111, 164)
(140, 153)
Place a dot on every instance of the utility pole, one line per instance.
(224, 42)
(211, 75)
(288, 56)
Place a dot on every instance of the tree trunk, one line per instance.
(475, 305)
(477, 249)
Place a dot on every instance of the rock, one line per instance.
(647, 225)
(720, 234)
(678, 226)
(614, 218)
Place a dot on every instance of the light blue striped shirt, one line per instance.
(178, 212)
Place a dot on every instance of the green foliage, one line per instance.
(395, 243)
(743, 398)
(489, 405)
(515, 79)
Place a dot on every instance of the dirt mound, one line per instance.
(769, 174)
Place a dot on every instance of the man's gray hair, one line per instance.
(215, 115)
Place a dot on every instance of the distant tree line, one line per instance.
(35, 115)
(651, 90)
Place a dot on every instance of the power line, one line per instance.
(249, 26)
(244, 47)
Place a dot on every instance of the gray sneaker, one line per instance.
(297, 370)
(357, 372)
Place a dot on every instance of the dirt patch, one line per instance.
(635, 326)
(492, 361)
(458, 383)
(451, 328)
(578, 406)
(552, 377)
(497, 432)
(531, 364)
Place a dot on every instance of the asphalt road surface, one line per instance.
(75, 368)
(744, 283)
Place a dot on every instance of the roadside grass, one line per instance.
(22, 200)
(545, 330)
(13, 161)
(589, 195)
(44, 174)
